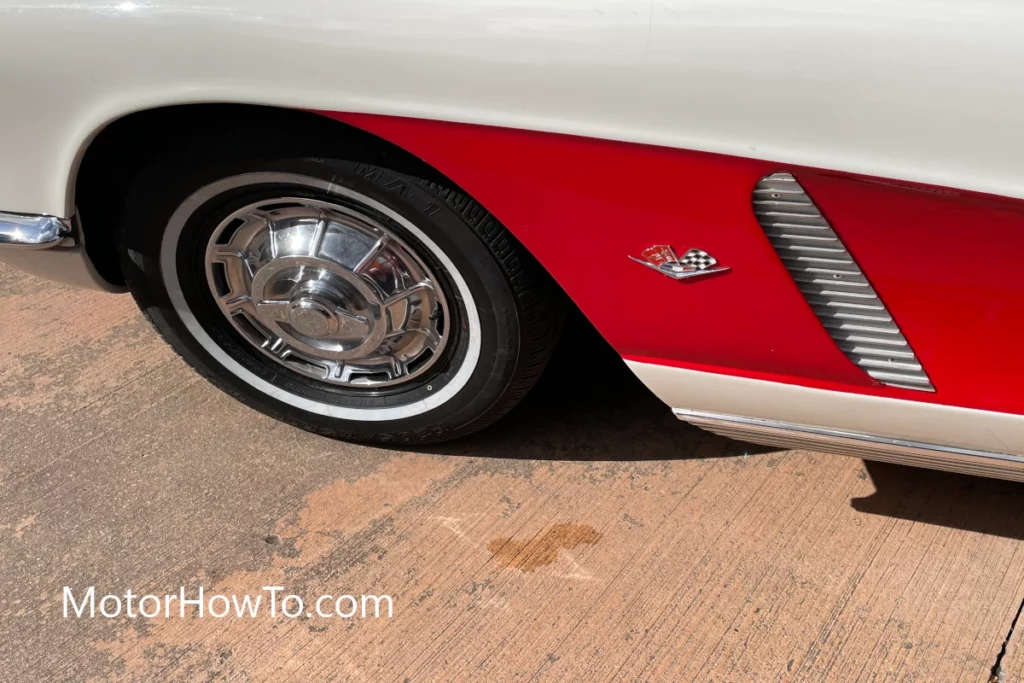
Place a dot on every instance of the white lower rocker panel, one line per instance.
(885, 428)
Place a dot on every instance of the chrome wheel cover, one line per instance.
(328, 291)
(437, 395)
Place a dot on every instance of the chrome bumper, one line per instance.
(49, 247)
(18, 231)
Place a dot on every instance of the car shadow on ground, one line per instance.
(590, 407)
(986, 506)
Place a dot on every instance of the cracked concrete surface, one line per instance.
(589, 536)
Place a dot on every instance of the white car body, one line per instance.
(920, 90)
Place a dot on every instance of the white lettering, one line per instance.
(198, 602)
(298, 610)
(103, 609)
(337, 607)
(224, 612)
(376, 604)
(273, 599)
(89, 599)
(325, 615)
(247, 604)
(156, 608)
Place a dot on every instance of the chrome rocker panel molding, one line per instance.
(22, 231)
(946, 437)
(866, 446)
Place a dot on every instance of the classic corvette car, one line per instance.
(799, 222)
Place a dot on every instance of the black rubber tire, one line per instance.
(519, 306)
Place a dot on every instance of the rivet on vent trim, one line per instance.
(834, 285)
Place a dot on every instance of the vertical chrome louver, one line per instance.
(842, 298)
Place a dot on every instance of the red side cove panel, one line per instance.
(946, 263)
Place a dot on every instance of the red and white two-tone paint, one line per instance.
(594, 130)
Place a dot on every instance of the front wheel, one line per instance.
(351, 300)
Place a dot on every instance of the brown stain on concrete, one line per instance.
(540, 551)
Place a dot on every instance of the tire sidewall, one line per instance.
(450, 221)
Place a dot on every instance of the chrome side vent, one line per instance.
(834, 285)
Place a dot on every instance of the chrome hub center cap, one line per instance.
(328, 291)
(312, 318)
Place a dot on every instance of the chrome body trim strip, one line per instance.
(21, 231)
(834, 409)
(867, 446)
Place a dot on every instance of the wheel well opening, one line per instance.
(129, 144)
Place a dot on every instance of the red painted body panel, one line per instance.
(950, 267)
(943, 261)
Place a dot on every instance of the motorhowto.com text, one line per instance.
(272, 602)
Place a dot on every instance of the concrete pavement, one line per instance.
(589, 536)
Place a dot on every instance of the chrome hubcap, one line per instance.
(328, 291)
